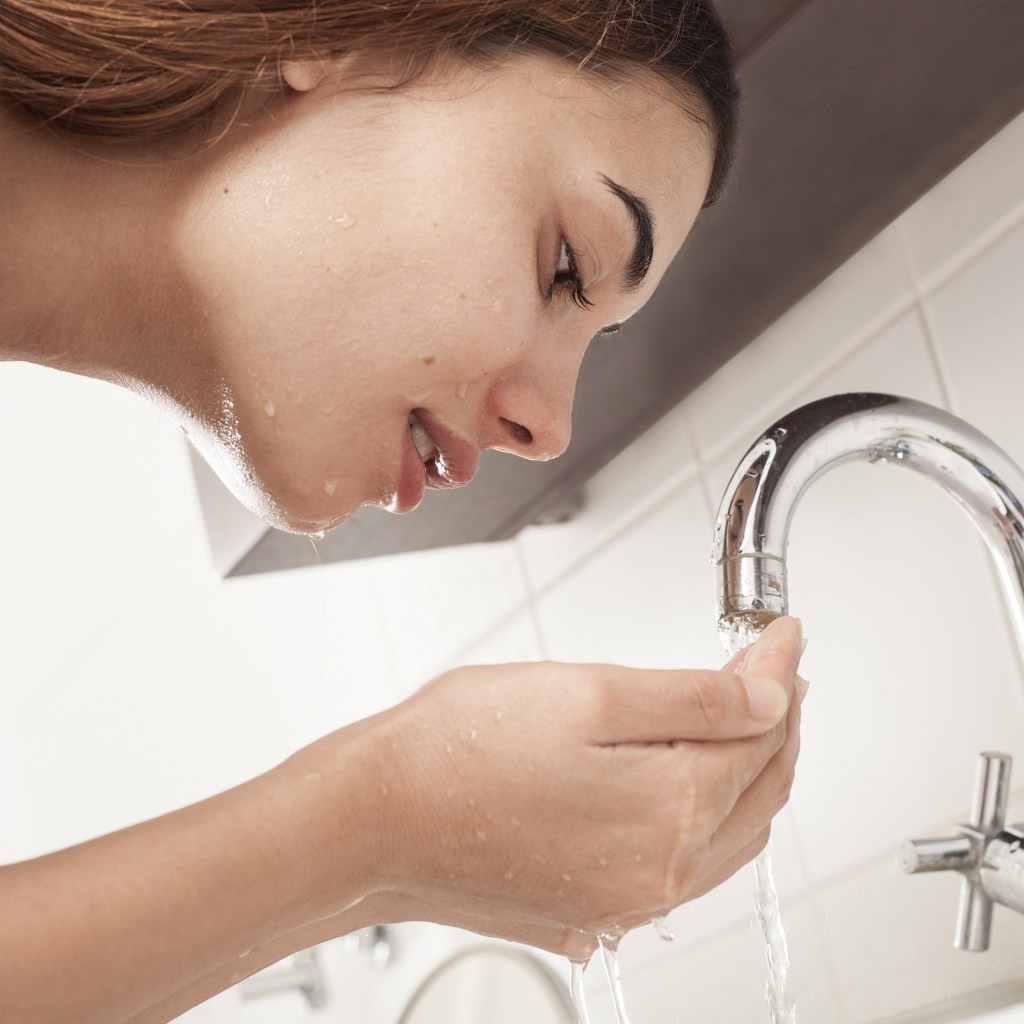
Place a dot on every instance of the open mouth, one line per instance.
(423, 441)
(448, 460)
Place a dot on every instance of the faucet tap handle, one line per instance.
(991, 792)
(967, 851)
(916, 856)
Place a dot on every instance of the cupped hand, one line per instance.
(550, 803)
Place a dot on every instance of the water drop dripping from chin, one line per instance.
(318, 534)
(663, 928)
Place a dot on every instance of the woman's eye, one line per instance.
(567, 277)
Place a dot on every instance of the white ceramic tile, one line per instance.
(512, 641)
(645, 599)
(17, 841)
(97, 487)
(891, 939)
(437, 603)
(759, 382)
(968, 208)
(195, 687)
(648, 469)
(977, 320)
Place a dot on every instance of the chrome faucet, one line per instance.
(751, 536)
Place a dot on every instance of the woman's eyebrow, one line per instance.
(643, 227)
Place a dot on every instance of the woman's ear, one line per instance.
(303, 75)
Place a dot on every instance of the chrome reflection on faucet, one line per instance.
(751, 537)
(752, 529)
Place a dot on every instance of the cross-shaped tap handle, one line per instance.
(965, 852)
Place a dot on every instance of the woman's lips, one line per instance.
(453, 463)
(456, 460)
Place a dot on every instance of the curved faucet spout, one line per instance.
(752, 529)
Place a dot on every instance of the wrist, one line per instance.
(328, 795)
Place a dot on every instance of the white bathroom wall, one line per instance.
(133, 680)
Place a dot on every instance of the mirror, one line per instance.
(491, 985)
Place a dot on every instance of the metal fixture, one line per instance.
(303, 974)
(751, 537)
(752, 529)
(985, 852)
(375, 942)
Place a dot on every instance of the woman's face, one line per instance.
(395, 282)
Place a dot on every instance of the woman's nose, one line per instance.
(532, 413)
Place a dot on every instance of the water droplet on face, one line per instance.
(462, 390)
(318, 534)
(330, 486)
(345, 220)
(268, 407)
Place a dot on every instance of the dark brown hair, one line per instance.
(146, 69)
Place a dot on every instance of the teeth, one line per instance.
(424, 445)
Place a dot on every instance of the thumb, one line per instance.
(647, 706)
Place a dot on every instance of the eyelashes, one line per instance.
(567, 281)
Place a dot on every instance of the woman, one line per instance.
(351, 245)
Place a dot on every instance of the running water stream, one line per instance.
(735, 636)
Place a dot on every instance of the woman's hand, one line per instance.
(552, 803)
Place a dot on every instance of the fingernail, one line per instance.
(802, 686)
(803, 646)
(799, 627)
(767, 699)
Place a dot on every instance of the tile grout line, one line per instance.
(808, 380)
(535, 594)
(972, 251)
(945, 388)
(531, 604)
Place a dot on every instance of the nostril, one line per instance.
(518, 431)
